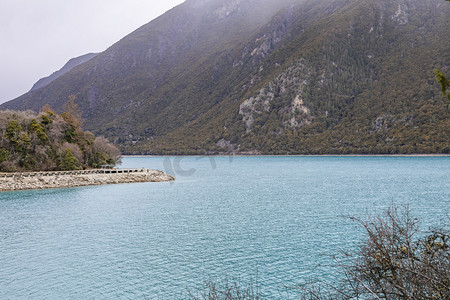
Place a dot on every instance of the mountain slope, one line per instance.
(303, 76)
(336, 84)
(139, 69)
(74, 62)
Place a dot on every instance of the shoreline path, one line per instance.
(65, 179)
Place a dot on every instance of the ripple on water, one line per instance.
(272, 218)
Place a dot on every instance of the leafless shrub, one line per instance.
(55, 130)
(10, 165)
(396, 261)
(74, 149)
(227, 291)
(102, 145)
(24, 118)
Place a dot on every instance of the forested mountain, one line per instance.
(265, 76)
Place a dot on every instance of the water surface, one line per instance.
(273, 218)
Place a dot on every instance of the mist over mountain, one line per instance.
(262, 76)
(66, 68)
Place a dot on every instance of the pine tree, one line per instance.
(70, 162)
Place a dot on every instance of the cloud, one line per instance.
(38, 37)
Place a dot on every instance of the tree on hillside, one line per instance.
(443, 81)
(72, 111)
(69, 162)
(46, 108)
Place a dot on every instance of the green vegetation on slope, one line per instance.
(444, 82)
(364, 78)
(315, 77)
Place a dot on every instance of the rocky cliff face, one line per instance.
(290, 76)
(283, 96)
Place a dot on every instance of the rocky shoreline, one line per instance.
(51, 180)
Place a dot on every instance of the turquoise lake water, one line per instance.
(275, 219)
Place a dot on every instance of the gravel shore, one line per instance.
(44, 180)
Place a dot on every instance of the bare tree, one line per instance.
(227, 291)
(396, 261)
(72, 112)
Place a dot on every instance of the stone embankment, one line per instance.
(65, 179)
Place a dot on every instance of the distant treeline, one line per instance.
(41, 141)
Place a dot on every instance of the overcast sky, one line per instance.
(37, 37)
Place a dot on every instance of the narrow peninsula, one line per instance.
(67, 179)
(48, 150)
